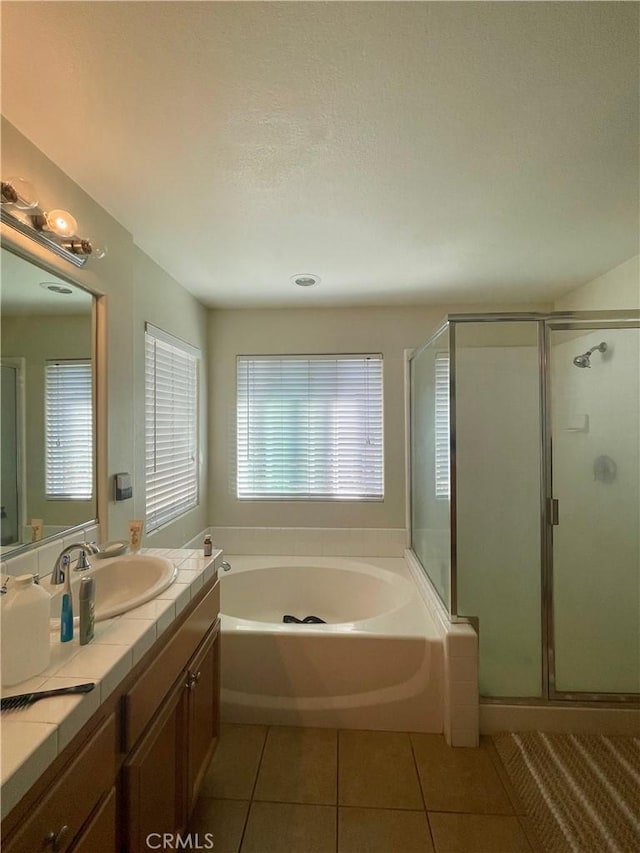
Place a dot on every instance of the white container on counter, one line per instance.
(24, 626)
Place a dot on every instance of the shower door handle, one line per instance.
(553, 512)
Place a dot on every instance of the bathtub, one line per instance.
(377, 663)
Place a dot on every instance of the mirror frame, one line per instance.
(25, 251)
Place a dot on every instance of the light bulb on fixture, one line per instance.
(19, 193)
(61, 222)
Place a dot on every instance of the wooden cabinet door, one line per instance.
(59, 816)
(203, 678)
(100, 833)
(154, 776)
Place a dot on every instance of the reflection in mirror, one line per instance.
(47, 417)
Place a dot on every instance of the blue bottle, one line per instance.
(66, 614)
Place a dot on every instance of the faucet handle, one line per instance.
(83, 562)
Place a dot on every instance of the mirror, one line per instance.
(47, 422)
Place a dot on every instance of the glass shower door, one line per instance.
(595, 430)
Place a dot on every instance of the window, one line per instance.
(68, 420)
(171, 427)
(310, 427)
(442, 425)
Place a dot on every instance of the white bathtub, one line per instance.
(377, 663)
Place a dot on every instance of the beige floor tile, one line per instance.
(383, 831)
(376, 769)
(474, 833)
(223, 820)
(290, 828)
(299, 765)
(232, 773)
(458, 779)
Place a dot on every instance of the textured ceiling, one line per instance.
(404, 152)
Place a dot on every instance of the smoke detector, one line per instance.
(56, 288)
(305, 279)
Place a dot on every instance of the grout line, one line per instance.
(424, 802)
(253, 789)
(529, 833)
(475, 814)
(337, 788)
(389, 809)
(508, 786)
(264, 746)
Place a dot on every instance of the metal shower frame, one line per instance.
(546, 323)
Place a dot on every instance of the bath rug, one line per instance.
(308, 620)
(581, 791)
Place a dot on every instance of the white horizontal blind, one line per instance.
(68, 430)
(310, 427)
(171, 427)
(442, 425)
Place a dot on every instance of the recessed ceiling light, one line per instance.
(55, 287)
(305, 279)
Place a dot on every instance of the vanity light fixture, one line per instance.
(305, 279)
(55, 230)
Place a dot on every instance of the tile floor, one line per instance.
(275, 789)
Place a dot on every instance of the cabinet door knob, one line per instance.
(56, 839)
(193, 679)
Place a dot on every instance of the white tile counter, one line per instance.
(32, 737)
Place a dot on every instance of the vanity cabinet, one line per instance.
(162, 776)
(58, 820)
(136, 767)
(154, 776)
(203, 710)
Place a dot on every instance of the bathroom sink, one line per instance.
(121, 583)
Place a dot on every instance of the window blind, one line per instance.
(310, 427)
(171, 427)
(442, 425)
(68, 430)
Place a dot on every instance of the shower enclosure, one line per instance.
(525, 496)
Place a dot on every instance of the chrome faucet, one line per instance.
(63, 562)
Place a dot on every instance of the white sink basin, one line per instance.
(121, 583)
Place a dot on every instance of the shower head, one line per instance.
(584, 360)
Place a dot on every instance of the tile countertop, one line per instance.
(32, 737)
